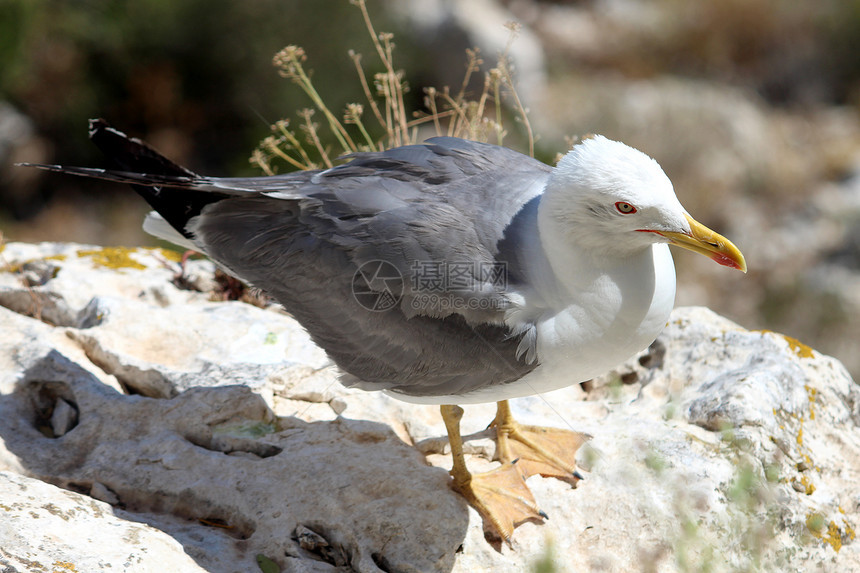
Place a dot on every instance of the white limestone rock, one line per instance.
(718, 447)
(45, 528)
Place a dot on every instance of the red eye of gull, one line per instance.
(625, 208)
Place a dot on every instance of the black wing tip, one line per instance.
(42, 166)
(93, 173)
(132, 154)
(97, 125)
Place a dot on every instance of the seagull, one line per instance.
(449, 272)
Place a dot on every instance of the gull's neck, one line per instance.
(572, 254)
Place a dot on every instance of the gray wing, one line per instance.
(434, 213)
(350, 251)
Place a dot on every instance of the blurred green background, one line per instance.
(193, 76)
(751, 106)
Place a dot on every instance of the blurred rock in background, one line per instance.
(751, 106)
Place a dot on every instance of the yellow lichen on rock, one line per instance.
(113, 257)
(812, 392)
(805, 485)
(800, 434)
(169, 255)
(796, 346)
(799, 348)
(830, 534)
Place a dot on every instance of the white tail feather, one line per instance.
(155, 225)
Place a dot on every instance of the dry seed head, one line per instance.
(353, 112)
(257, 157)
(289, 60)
(473, 59)
(380, 82)
(513, 26)
(271, 142)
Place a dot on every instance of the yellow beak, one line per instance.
(706, 242)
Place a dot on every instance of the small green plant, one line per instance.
(453, 114)
(546, 562)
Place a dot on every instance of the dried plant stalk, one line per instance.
(480, 118)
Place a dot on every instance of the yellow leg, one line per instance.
(500, 496)
(549, 452)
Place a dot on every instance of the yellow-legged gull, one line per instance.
(448, 272)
